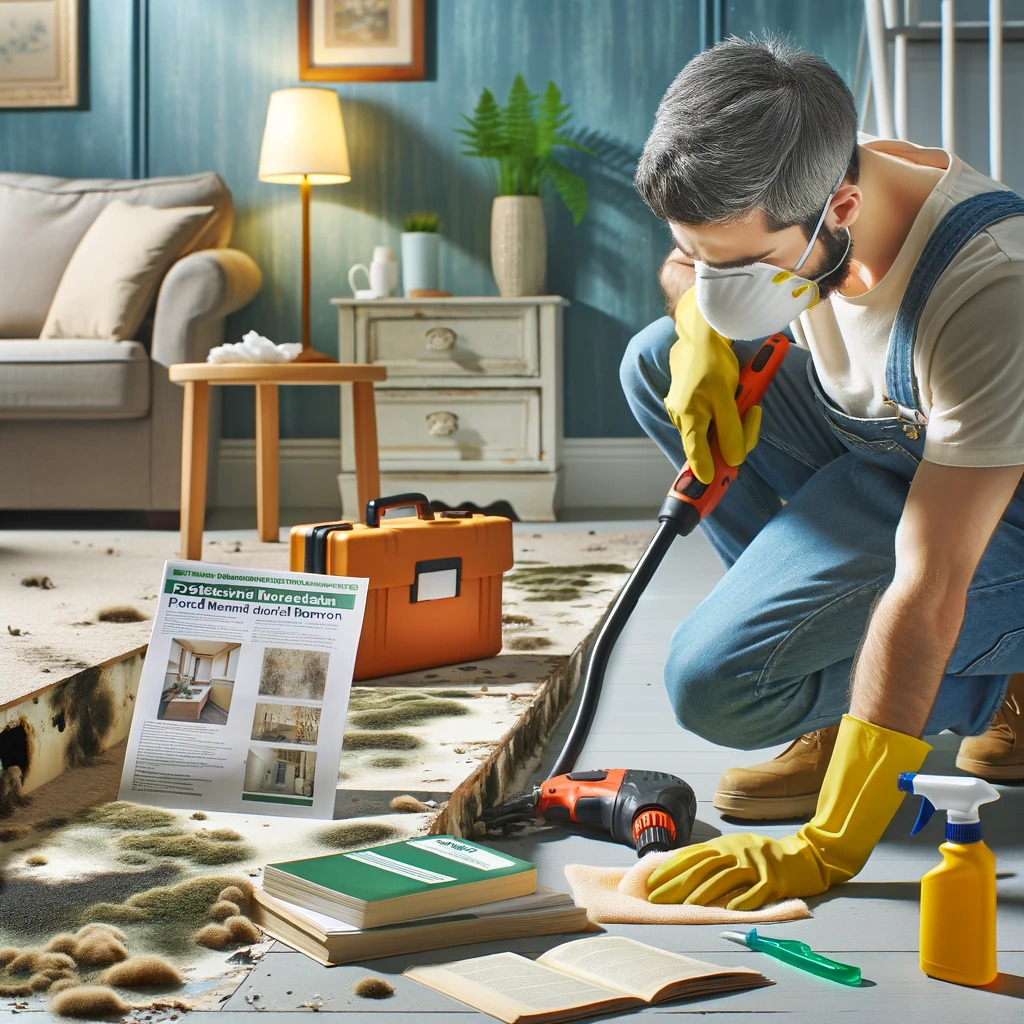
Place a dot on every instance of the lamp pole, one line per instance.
(305, 189)
(308, 353)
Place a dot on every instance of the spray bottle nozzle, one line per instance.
(959, 797)
(905, 783)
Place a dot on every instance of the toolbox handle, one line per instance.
(375, 506)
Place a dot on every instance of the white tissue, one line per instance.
(254, 348)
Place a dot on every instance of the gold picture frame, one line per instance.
(40, 58)
(361, 40)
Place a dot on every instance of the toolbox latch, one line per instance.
(436, 578)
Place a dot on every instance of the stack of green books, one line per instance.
(404, 897)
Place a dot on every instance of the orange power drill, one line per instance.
(651, 810)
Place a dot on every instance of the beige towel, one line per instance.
(619, 896)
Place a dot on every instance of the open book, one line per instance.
(580, 978)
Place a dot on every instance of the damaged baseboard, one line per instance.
(599, 473)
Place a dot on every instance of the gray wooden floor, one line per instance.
(871, 921)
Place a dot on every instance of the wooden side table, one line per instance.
(266, 378)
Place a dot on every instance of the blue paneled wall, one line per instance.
(179, 86)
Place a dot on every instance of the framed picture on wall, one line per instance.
(40, 60)
(361, 40)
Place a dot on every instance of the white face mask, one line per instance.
(758, 300)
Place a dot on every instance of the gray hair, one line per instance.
(750, 124)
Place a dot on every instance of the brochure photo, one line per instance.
(244, 691)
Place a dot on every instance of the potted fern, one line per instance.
(421, 252)
(518, 141)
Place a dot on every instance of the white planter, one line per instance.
(421, 260)
(518, 245)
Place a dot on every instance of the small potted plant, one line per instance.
(421, 252)
(518, 141)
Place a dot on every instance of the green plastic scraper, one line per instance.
(797, 954)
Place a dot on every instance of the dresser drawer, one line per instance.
(500, 343)
(478, 426)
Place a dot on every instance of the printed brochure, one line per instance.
(244, 691)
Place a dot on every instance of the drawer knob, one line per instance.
(441, 424)
(440, 339)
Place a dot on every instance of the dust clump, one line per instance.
(373, 988)
(141, 972)
(405, 802)
(242, 930)
(62, 942)
(120, 613)
(99, 949)
(88, 1002)
(42, 582)
(512, 619)
(223, 909)
(528, 643)
(213, 936)
(25, 962)
(234, 894)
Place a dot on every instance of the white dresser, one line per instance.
(472, 407)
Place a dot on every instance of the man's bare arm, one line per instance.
(949, 518)
(677, 278)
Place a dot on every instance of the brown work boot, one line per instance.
(785, 787)
(998, 753)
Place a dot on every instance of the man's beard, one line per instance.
(837, 243)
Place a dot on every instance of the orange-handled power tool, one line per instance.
(651, 810)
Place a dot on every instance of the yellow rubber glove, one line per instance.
(705, 373)
(857, 801)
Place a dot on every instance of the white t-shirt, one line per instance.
(969, 350)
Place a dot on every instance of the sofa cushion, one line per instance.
(42, 220)
(111, 279)
(79, 378)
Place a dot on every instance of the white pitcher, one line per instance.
(381, 275)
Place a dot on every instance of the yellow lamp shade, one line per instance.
(304, 139)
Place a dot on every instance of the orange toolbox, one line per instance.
(435, 581)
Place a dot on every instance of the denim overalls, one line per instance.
(807, 533)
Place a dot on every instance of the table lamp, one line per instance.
(304, 145)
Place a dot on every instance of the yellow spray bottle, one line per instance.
(958, 896)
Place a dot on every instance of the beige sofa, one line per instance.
(95, 423)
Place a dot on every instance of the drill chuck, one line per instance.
(653, 829)
(653, 840)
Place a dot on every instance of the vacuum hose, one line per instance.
(686, 503)
(607, 635)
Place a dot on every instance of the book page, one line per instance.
(629, 966)
(510, 987)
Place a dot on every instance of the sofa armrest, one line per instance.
(202, 287)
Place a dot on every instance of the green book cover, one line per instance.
(405, 868)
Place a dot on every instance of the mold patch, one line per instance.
(411, 712)
(381, 741)
(360, 833)
(218, 847)
(562, 582)
(88, 710)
